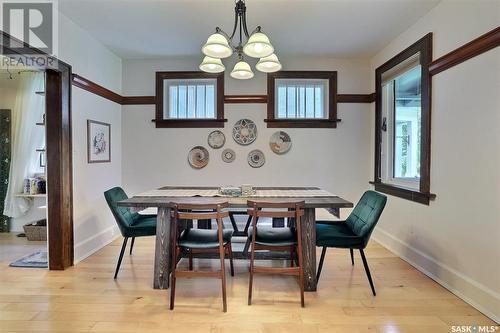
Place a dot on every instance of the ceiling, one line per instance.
(153, 29)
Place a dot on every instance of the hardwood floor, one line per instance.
(13, 247)
(85, 298)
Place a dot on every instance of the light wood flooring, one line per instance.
(85, 298)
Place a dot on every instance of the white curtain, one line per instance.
(26, 138)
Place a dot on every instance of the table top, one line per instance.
(326, 201)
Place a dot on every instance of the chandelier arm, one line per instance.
(235, 25)
(222, 32)
(257, 29)
(241, 33)
(245, 28)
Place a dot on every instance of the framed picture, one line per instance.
(98, 142)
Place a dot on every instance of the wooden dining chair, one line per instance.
(194, 241)
(286, 239)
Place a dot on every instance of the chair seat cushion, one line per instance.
(337, 235)
(143, 225)
(274, 236)
(203, 238)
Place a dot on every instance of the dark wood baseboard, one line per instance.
(484, 43)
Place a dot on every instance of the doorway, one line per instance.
(23, 199)
(58, 149)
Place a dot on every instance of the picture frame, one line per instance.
(98, 142)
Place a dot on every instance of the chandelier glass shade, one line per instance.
(212, 65)
(269, 64)
(258, 46)
(242, 71)
(217, 46)
(220, 45)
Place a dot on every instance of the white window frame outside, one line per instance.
(387, 147)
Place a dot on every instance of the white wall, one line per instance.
(454, 240)
(94, 225)
(335, 159)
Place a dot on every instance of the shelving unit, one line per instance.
(31, 196)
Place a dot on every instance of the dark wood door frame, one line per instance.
(58, 149)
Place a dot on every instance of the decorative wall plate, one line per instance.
(280, 142)
(244, 132)
(256, 158)
(228, 155)
(216, 139)
(198, 157)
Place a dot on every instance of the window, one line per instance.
(402, 142)
(302, 99)
(189, 99)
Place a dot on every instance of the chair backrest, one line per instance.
(206, 210)
(366, 214)
(123, 215)
(213, 209)
(279, 209)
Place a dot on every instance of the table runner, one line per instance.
(268, 193)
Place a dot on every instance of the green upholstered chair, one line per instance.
(353, 233)
(131, 224)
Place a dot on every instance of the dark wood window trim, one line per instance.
(332, 120)
(423, 195)
(161, 122)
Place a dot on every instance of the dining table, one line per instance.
(165, 197)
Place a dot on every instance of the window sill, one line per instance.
(190, 123)
(404, 193)
(301, 123)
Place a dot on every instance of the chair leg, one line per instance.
(230, 254)
(292, 257)
(250, 283)
(190, 258)
(365, 263)
(124, 245)
(223, 276)
(301, 274)
(321, 260)
(352, 256)
(172, 282)
(132, 245)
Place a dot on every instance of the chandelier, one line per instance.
(220, 45)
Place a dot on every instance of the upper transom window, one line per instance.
(189, 99)
(304, 99)
(301, 98)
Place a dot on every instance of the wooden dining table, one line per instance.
(165, 197)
